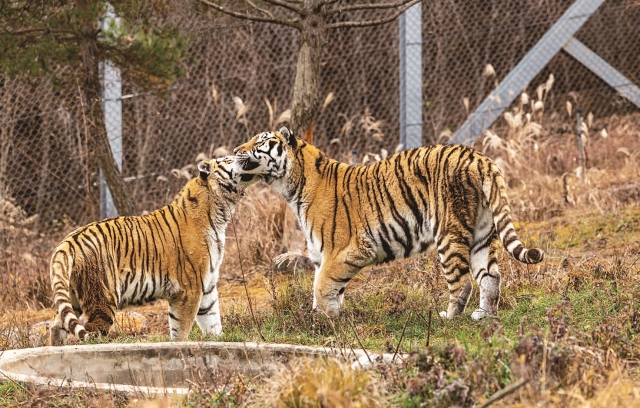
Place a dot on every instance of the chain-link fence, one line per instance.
(241, 82)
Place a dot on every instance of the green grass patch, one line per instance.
(379, 320)
(12, 393)
(597, 231)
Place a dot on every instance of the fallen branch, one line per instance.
(504, 392)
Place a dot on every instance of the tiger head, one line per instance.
(226, 173)
(268, 154)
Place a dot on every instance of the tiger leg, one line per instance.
(208, 317)
(57, 334)
(454, 258)
(68, 312)
(64, 299)
(75, 303)
(484, 266)
(100, 317)
(329, 285)
(183, 307)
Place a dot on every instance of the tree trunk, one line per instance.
(6, 134)
(96, 124)
(145, 119)
(43, 181)
(305, 91)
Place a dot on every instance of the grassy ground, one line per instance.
(568, 333)
(570, 327)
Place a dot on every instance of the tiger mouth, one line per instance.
(247, 177)
(245, 162)
(249, 165)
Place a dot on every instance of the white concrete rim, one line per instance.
(359, 357)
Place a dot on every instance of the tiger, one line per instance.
(172, 253)
(450, 197)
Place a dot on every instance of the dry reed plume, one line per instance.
(539, 156)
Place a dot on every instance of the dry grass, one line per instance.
(619, 392)
(320, 383)
(261, 229)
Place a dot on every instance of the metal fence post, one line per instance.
(411, 77)
(112, 107)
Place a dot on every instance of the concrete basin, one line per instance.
(151, 369)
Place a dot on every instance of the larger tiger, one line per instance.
(356, 216)
(173, 253)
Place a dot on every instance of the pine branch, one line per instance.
(369, 23)
(285, 4)
(291, 23)
(343, 9)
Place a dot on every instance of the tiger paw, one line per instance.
(290, 261)
(90, 336)
(480, 314)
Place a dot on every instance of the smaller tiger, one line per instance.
(173, 253)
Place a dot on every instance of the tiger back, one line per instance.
(173, 253)
(448, 196)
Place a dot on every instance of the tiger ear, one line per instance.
(205, 169)
(288, 134)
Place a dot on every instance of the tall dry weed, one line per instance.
(24, 260)
(263, 231)
(15, 225)
(539, 156)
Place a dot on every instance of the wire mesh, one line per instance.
(48, 168)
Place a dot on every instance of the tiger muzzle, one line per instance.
(249, 165)
(245, 161)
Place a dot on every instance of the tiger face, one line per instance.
(226, 172)
(267, 154)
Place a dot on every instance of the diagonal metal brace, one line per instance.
(602, 69)
(535, 60)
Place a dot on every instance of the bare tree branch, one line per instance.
(28, 31)
(369, 23)
(30, 35)
(261, 10)
(295, 23)
(342, 9)
(286, 5)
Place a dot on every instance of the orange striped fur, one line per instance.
(450, 197)
(173, 253)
